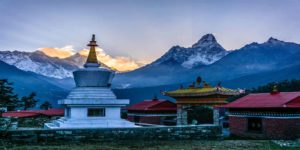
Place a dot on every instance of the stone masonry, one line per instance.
(181, 116)
(111, 134)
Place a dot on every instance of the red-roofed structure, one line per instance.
(34, 113)
(267, 100)
(274, 115)
(153, 111)
(190, 99)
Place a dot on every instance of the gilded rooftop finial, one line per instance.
(198, 80)
(92, 57)
(93, 42)
(274, 90)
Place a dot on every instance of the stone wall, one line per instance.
(111, 134)
(181, 115)
(216, 116)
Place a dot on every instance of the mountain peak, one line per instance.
(205, 40)
(208, 37)
(272, 40)
(206, 51)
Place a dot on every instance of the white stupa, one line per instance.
(92, 104)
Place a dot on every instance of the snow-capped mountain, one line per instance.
(76, 59)
(174, 63)
(273, 41)
(39, 63)
(206, 51)
(252, 60)
(252, 65)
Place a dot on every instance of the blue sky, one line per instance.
(144, 29)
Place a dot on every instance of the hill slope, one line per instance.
(26, 82)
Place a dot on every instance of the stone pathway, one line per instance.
(153, 145)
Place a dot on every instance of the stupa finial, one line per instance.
(93, 37)
(92, 57)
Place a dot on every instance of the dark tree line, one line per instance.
(46, 105)
(283, 86)
(10, 100)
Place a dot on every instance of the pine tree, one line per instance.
(283, 86)
(29, 101)
(46, 105)
(8, 98)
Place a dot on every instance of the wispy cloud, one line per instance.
(63, 52)
(120, 63)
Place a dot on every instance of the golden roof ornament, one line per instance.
(219, 84)
(92, 60)
(181, 86)
(206, 85)
(198, 80)
(274, 90)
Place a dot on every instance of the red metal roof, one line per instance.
(153, 105)
(19, 114)
(33, 113)
(267, 100)
(294, 103)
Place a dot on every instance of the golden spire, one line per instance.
(274, 90)
(92, 58)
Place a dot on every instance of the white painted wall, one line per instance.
(78, 112)
(113, 112)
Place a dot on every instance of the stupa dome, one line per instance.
(93, 75)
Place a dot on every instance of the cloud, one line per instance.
(120, 63)
(63, 52)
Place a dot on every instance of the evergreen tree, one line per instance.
(29, 101)
(8, 98)
(283, 86)
(46, 105)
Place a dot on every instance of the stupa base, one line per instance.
(64, 123)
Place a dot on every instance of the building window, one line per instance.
(255, 124)
(96, 112)
(136, 119)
